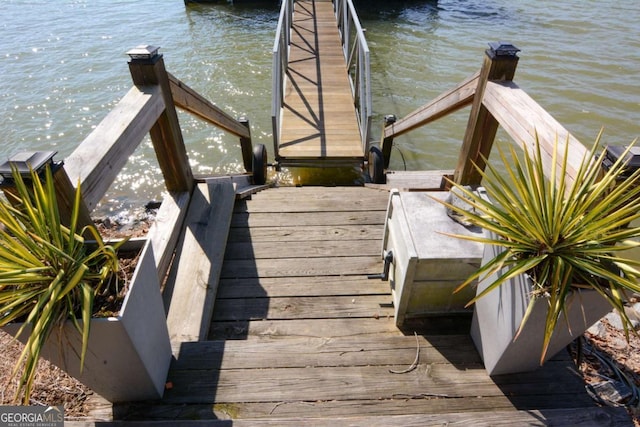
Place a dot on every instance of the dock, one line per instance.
(274, 311)
(300, 336)
(317, 121)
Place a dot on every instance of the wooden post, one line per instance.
(499, 64)
(245, 146)
(387, 143)
(147, 68)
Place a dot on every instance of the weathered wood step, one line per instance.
(367, 306)
(268, 352)
(364, 382)
(256, 287)
(248, 248)
(192, 284)
(302, 327)
(302, 219)
(283, 267)
(308, 233)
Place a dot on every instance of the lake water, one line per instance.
(63, 67)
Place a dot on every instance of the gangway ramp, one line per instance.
(318, 120)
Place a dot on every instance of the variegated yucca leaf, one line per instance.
(48, 275)
(563, 236)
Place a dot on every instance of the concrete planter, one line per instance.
(128, 355)
(427, 266)
(497, 317)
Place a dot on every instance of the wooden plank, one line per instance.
(303, 219)
(578, 417)
(413, 180)
(350, 197)
(308, 233)
(345, 193)
(100, 157)
(247, 191)
(300, 352)
(311, 205)
(188, 99)
(321, 266)
(165, 134)
(254, 287)
(525, 120)
(165, 230)
(444, 104)
(368, 306)
(252, 249)
(232, 330)
(65, 196)
(482, 127)
(194, 277)
(427, 410)
(363, 382)
(283, 203)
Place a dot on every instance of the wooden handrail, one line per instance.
(99, 158)
(496, 101)
(446, 103)
(189, 100)
(525, 120)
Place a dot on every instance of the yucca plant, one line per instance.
(563, 236)
(48, 274)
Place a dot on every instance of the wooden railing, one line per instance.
(148, 108)
(280, 63)
(495, 100)
(189, 100)
(356, 53)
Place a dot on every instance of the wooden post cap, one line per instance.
(143, 52)
(25, 162)
(502, 49)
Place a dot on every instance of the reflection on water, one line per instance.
(579, 60)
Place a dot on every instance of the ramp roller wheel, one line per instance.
(259, 164)
(376, 166)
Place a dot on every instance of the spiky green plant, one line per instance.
(48, 275)
(563, 236)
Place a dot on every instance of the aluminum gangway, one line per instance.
(321, 110)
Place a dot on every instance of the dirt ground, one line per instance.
(610, 365)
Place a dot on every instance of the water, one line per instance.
(63, 67)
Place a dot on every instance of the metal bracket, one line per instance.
(384, 276)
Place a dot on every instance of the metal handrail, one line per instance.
(280, 61)
(356, 53)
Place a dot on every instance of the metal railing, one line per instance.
(280, 62)
(356, 53)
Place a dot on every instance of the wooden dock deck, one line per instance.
(319, 119)
(300, 336)
(272, 319)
